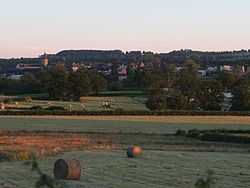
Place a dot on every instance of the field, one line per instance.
(89, 103)
(100, 144)
(155, 169)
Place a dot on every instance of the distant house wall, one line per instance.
(202, 72)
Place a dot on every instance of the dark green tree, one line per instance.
(211, 95)
(176, 100)
(79, 83)
(241, 97)
(30, 83)
(153, 81)
(189, 83)
(10, 86)
(98, 83)
(227, 79)
(55, 81)
(169, 73)
(156, 100)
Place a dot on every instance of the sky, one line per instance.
(29, 28)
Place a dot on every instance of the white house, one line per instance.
(211, 70)
(15, 77)
(202, 73)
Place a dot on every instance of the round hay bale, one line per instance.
(134, 152)
(67, 169)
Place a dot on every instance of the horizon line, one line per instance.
(124, 51)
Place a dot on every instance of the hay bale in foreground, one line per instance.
(134, 152)
(67, 169)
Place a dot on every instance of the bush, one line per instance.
(36, 108)
(180, 133)
(229, 136)
(117, 86)
(219, 137)
(208, 182)
(194, 134)
(56, 108)
(156, 100)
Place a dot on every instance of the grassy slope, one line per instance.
(154, 169)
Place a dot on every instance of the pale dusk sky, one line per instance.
(31, 27)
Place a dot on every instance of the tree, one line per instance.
(227, 79)
(10, 86)
(210, 95)
(176, 101)
(241, 97)
(79, 83)
(98, 83)
(153, 81)
(170, 75)
(156, 100)
(189, 83)
(30, 84)
(55, 81)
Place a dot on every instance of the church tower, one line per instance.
(45, 60)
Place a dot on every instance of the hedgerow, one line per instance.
(41, 112)
(218, 135)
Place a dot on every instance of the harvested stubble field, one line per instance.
(100, 144)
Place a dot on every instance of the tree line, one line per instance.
(58, 82)
(185, 90)
(165, 87)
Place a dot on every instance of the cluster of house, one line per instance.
(24, 68)
(96, 67)
(121, 71)
(208, 71)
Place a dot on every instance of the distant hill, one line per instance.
(208, 58)
(229, 57)
(90, 54)
(117, 56)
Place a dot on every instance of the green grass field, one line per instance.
(154, 169)
(110, 126)
(161, 165)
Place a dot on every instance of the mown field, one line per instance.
(87, 103)
(100, 144)
(108, 169)
(127, 124)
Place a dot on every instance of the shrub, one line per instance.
(194, 134)
(217, 135)
(180, 133)
(208, 182)
(55, 108)
(117, 86)
(36, 108)
(156, 100)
